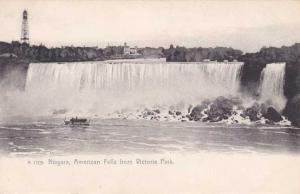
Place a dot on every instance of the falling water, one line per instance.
(131, 76)
(271, 85)
(125, 83)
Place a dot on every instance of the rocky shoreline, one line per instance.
(230, 110)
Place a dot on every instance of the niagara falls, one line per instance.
(127, 98)
(149, 97)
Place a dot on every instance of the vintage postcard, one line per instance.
(149, 97)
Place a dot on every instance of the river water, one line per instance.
(49, 136)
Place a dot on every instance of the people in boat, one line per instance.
(73, 120)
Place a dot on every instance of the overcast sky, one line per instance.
(246, 25)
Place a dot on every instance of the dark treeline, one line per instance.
(152, 52)
(199, 54)
(113, 51)
(43, 54)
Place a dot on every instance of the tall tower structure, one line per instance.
(25, 32)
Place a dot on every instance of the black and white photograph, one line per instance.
(150, 97)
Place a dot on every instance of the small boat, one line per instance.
(77, 121)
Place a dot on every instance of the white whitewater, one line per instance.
(120, 84)
(271, 85)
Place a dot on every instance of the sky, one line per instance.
(246, 25)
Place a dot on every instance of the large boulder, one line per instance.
(292, 110)
(253, 112)
(196, 113)
(214, 111)
(272, 115)
(220, 109)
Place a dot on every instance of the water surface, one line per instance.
(49, 136)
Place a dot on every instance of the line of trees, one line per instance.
(183, 54)
(43, 54)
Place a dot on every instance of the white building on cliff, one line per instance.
(130, 51)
